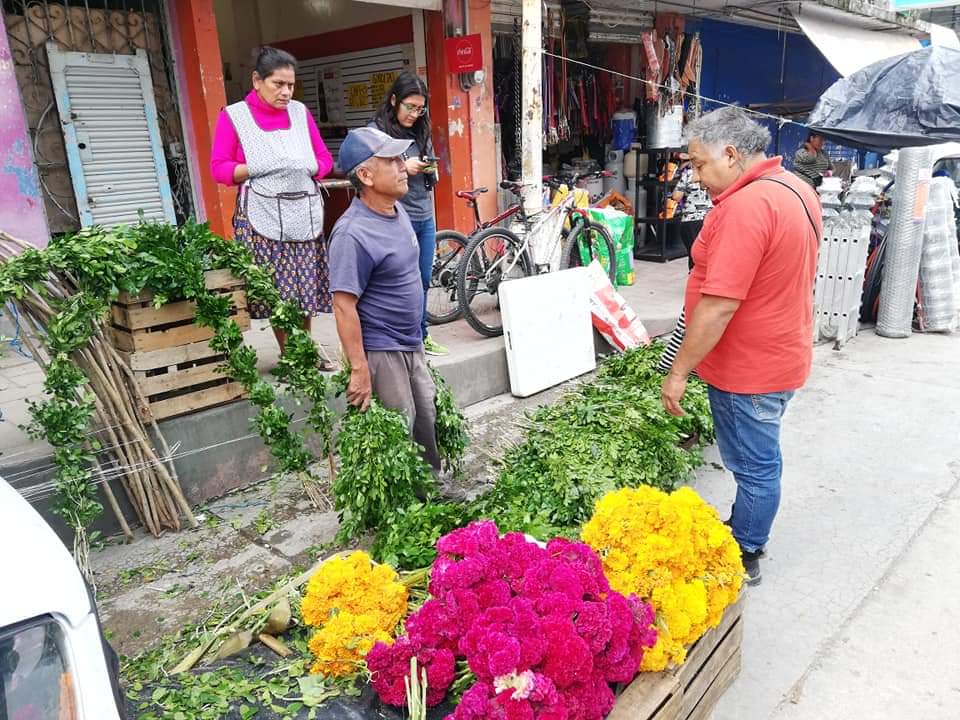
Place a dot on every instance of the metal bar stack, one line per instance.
(842, 260)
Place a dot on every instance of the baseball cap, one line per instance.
(364, 143)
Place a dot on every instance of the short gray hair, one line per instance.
(729, 126)
(355, 179)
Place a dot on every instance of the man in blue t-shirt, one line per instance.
(376, 286)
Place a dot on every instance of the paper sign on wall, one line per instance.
(358, 95)
(380, 83)
(329, 96)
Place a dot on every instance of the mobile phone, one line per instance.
(430, 176)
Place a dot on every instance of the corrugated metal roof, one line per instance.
(771, 14)
(610, 21)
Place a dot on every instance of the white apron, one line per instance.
(281, 199)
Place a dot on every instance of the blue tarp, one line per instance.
(906, 101)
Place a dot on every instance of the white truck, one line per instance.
(54, 661)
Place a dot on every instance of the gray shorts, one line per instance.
(401, 381)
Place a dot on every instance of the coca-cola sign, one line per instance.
(464, 53)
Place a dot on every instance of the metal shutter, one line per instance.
(109, 120)
(611, 21)
(353, 85)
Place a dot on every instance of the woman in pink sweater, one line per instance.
(268, 144)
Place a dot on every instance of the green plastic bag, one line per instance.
(620, 226)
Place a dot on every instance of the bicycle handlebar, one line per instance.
(555, 181)
(573, 179)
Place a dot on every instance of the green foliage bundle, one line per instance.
(79, 275)
(381, 470)
(602, 435)
(408, 538)
(452, 437)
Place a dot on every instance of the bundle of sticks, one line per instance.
(128, 454)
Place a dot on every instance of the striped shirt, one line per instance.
(696, 201)
(810, 167)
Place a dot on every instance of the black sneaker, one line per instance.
(751, 564)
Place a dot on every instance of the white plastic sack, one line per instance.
(612, 317)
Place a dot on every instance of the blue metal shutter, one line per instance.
(109, 119)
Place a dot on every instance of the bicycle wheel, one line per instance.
(442, 304)
(587, 239)
(492, 258)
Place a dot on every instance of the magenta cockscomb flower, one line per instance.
(539, 627)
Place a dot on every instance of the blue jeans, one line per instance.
(748, 433)
(426, 231)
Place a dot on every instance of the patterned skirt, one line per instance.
(300, 270)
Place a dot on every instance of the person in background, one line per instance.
(268, 144)
(694, 204)
(811, 163)
(749, 303)
(377, 292)
(403, 115)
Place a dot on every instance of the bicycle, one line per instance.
(495, 254)
(450, 247)
(442, 305)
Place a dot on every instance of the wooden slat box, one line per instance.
(170, 354)
(691, 691)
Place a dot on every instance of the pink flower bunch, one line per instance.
(540, 628)
(390, 664)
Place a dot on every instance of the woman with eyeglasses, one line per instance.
(403, 114)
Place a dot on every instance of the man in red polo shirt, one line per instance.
(749, 305)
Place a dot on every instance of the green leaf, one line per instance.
(315, 690)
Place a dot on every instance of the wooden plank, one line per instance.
(213, 279)
(137, 318)
(179, 379)
(645, 697)
(144, 341)
(670, 710)
(702, 648)
(710, 670)
(141, 341)
(196, 400)
(728, 673)
(216, 279)
(143, 361)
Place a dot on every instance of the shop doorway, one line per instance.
(349, 53)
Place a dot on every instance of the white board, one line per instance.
(343, 91)
(547, 330)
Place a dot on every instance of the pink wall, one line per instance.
(21, 202)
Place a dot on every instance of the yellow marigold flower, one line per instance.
(673, 551)
(356, 585)
(343, 642)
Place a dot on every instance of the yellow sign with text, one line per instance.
(380, 83)
(358, 96)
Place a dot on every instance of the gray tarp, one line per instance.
(906, 101)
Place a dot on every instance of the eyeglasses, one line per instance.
(414, 109)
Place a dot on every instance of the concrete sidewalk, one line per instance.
(857, 615)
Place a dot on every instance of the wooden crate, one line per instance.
(170, 354)
(691, 691)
